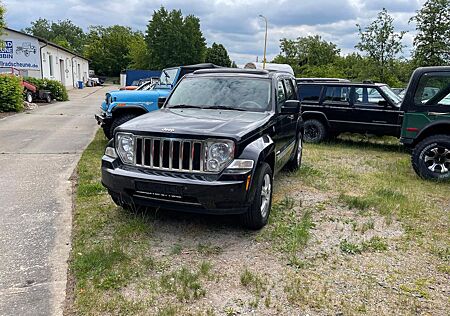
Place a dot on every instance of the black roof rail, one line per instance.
(231, 71)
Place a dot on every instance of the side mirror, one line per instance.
(383, 103)
(290, 107)
(161, 101)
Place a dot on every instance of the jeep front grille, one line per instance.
(186, 155)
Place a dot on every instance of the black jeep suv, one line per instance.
(213, 147)
(334, 107)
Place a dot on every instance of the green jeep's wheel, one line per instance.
(119, 120)
(431, 158)
(258, 212)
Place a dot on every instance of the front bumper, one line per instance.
(102, 119)
(188, 193)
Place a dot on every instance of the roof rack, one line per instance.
(232, 70)
(321, 80)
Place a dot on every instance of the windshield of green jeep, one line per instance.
(228, 93)
(168, 76)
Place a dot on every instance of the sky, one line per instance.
(233, 23)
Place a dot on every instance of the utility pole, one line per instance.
(265, 42)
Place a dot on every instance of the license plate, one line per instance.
(158, 189)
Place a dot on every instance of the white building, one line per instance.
(39, 58)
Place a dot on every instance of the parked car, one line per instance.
(212, 152)
(398, 91)
(426, 122)
(331, 108)
(122, 106)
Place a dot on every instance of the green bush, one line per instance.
(11, 94)
(56, 88)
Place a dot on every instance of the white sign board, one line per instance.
(22, 54)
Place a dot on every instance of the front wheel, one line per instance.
(431, 158)
(258, 212)
(119, 121)
(315, 131)
(29, 97)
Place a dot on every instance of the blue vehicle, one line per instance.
(121, 106)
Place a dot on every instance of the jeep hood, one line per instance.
(199, 122)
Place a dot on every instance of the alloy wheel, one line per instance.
(266, 191)
(437, 159)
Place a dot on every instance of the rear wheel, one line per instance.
(296, 161)
(431, 158)
(48, 98)
(119, 121)
(315, 131)
(258, 212)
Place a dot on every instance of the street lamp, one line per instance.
(265, 42)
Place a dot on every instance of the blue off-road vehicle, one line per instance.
(122, 106)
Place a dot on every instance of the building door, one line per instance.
(62, 70)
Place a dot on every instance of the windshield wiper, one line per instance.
(184, 106)
(223, 107)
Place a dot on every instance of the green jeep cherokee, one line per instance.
(426, 122)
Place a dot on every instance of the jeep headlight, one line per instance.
(125, 147)
(219, 154)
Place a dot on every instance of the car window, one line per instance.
(281, 95)
(289, 90)
(309, 92)
(337, 94)
(433, 90)
(367, 96)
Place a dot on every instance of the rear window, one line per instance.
(433, 90)
(309, 92)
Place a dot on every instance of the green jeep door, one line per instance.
(426, 124)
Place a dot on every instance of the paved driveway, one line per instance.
(38, 154)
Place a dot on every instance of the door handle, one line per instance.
(437, 113)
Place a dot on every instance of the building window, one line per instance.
(50, 64)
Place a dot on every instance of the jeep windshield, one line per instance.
(392, 96)
(224, 93)
(168, 76)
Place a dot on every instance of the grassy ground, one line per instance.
(353, 232)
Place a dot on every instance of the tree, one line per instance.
(432, 42)
(108, 48)
(174, 40)
(218, 55)
(63, 33)
(306, 53)
(233, 64)
(138, 53)
(381, 43)
(2, 18)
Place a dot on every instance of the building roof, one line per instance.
(48, 43)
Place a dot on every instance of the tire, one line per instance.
(295, 163)
(119, 121)
(29, 97)
(315, 131)
(431, 158)
(259, 211)
(107, 131)
(48, 98)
